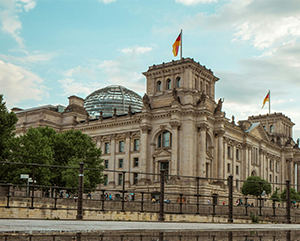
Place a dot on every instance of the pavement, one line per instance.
(62, 226)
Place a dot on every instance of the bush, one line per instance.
(254, 217)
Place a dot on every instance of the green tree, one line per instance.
(43, 145)
(275, 195)
(294, 196)
(8, 121)
(252, 186)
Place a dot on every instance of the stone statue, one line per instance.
(219, 106)
(232, 120)
(298, 142)
(202, 99)
(174, 94)
(146, 101)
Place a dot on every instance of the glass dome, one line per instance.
(110, 97)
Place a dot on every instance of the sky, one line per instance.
(52, 49)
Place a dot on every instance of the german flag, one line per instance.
(267, 98)
(176, 45)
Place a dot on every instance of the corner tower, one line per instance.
(186, 76)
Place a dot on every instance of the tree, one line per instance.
(294, 196)
(8, 121)
(43, 145)
(276, 195)
(252, 186)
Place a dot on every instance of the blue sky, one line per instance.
(52, 49)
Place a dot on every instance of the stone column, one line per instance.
(112, 159)
(127, 159)
(144, 154)
(202, 160)
(175, 147)
(298, 176)
(220, 170)
(225, 173)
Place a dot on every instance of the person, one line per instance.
(208, 201)
(106, 196)
(89, 195)
(241, 202)
(238, 202)
(223, 203)
(153, 200)
(75, 199)
(67, 195)
(126, 199)
(61, 193)
(132, 196)
(252, 205)
(110, 197)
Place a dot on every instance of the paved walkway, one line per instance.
(54, 226)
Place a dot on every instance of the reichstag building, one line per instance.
(177, 126)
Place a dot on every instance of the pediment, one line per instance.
(162, 153)
(259, 132)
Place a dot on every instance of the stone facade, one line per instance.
(181, 129)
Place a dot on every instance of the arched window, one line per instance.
(271, 128)
(168, 84)
(237, 154)
(229, 151)
(253, 173)
(158, 86)
(164, 139)
(178, 82)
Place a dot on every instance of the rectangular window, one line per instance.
(106, 164)
(136, 145)
(120, 179)
(105, 179)
(276, 167)
(228, 151)
(106, 147)
(237, 170)
(276, 179)
(121, 146)
(237, 154)
(270, 178)
(120, 163)
(135, 178)
(237, 184)
(270, 165)
(135, 162)
(228, 167)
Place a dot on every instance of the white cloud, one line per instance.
(81, 72)
(10, 20)
(73, 87)
(28, 58)
(194, 2)
(106, 1)
(136, 50)
(19, 84)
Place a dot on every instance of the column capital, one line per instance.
(203, 127)
(146, 129)
(174, 124)
(219, 133)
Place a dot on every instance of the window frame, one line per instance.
(168, 84)
(136, 144)
(158, 86)
(162, 141)
(121, 163)
(121, 146)
(106, 164)
(106, 147)
(135, 160)
(120, 179)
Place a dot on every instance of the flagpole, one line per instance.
(181, 44)
(269, 102)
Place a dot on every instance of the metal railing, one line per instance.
(167, 194)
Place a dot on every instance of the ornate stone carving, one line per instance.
(146, 129)
(219, 106)
(219, 133)
(146, 101)
(174, 124)
(203, 126)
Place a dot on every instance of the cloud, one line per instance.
(19, 84)
(106, 1)
(194, 2)
(28, 58)
(136, 50)
(72, 87)
(9, 18)
(81, 72)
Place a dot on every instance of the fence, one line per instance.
(164, 195)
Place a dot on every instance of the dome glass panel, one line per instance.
(110, 97)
